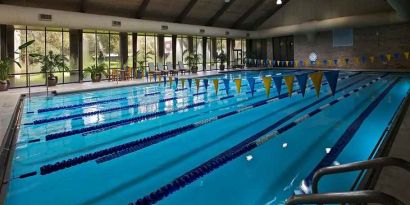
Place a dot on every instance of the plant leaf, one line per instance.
(26, 44)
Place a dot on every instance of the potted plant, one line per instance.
(193, 60)
(7, 63)
(222, 59)
(50, 63)
(96, 71)
(141, 59)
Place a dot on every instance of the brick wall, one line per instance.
(370, 41)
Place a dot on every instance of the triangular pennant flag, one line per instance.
(267, 81)
(291, 63)
(226, 83)
(289, 83)
(176, 82)
(183, 83)
(381, 57)
(396, 56)
(278, 62)
(331, 77)
(278, 83)
(165, 80)
(335, 61)
(317, 81)
(406, 55)
(296, 63)
(197, 81)
(363, 59)
(206, 84)
(216, 85)
(325, 62)
(190, 83)
(170, 81)
(273, 62)
(356, 60)
(301, 62)
(330, 62)
(318, 63)
(371, 58)
(302, 81)
(238, 83)
(287, 63)
(251, 82)
(388, 57)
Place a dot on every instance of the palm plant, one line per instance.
(6, 65)
(222, 59)
(142, 58)
(193, 60)
(96, 71)
(50, 63)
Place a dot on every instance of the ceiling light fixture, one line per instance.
(227, 1)
(278, 2)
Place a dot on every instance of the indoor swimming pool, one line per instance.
(212, 140)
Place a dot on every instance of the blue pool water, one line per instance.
(120, 145)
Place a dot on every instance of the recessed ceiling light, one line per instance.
(278, 2)
(227, 1)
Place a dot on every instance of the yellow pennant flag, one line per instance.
(406, 55)
(216, 85)
(306, 62)
(238, 83)
(183, 82)
(287, 63)
(371, 59)
(296, 63)
(318, 62)
(170, 81)
(388, 57)
(289, 83)
(317, 81)
(357, 60)
(278, 63)
(330, 62)
(197, 84)
(267, 81)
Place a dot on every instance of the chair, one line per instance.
(182, 67)
(162, 69)
(128, 73)
(114, 74)
(171, 69)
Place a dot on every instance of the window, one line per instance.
(168, 49)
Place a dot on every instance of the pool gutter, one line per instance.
(7, 148)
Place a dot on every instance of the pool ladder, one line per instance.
(355, 197)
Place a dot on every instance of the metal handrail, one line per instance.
(355, 166)
(367, 196)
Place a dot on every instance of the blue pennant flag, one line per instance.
(335, 61)
(396, 56)
(301, 62)
(155, 77)
(291, 63)
(176, 82)
(302, 81)
(278, 83)
(226, 82)
(382, 57)
(165, 80)
(364, 58)
(190, 83)
(331, 77)
(251, 82)
(273, 63)
(325, 62)
(312, 62)
(206, 84)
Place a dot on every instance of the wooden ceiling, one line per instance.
(237, 14)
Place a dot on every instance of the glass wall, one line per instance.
(103, 47)
(54, 40)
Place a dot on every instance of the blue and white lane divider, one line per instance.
(136, 105)
(148, 141)
(346, 137)
(109, 100)
(224, 158)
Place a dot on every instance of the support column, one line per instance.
(190, 45)
(204, 40)
(160, 49)
(214, 53)
(228, 51)
(3, 42)
(134, 52)
(174, 51)
(76, 52)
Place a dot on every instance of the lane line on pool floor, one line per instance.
(46, 169)
(225, 157)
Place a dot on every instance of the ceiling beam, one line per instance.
(186, 11)
(220, 12)
(267, 15)
(244, 16)
(82, 6)
(141, 9)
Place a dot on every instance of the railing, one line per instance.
(370, 164)
(354, 197)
